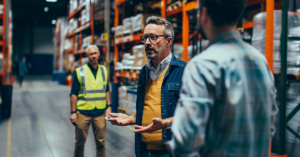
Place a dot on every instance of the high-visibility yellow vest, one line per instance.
(92, 92)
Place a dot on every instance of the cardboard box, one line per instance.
(139, 21)
(119, 32)
(131, 108)
(127, 29)
(140, 56)
(127, 21)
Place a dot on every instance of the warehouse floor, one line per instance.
(40, 125)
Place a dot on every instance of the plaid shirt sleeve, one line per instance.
(192, 111)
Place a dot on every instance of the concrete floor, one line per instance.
(40, 125)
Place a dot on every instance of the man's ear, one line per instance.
(169, 42)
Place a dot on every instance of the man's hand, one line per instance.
(157, 124)
(73, 119)
(108, 111)
(121, 119)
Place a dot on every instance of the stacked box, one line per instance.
(139, 22)
(131, 101)
(140, 56)
(119, 32)
(293, 52)
(123, 97)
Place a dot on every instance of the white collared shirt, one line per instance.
(154, 73)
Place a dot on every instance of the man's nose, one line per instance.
(147, 42)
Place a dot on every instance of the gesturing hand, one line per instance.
(157, 124)
(121, 119)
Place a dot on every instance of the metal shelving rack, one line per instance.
(80, 30)
(6, 44)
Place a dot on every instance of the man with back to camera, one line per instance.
(90, 102)
(157, 93)
(227, 101)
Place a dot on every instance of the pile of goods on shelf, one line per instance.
(133, 62)
(131, 25)
(293, 52)
(127, 99)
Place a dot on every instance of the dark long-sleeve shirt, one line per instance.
(76, 88)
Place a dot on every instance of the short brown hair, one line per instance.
(169, 31)
(224, 12)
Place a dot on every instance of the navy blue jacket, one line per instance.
(169, 96)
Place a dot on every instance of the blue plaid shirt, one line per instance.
(227, 102)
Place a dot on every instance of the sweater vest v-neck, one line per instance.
(152, 109)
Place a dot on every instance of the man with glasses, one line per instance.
(227, 101)
(157, 93)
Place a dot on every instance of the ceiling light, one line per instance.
(54, 22)
(46, 9)
(51, 0)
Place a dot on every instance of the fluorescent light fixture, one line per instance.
(46, 9)
(51, 0)
(53, 22)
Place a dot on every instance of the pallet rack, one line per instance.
(80, 31)
(187, 37)
(6, 44)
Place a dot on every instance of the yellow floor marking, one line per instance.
(130, 128)
(40, 127)
(8, 138)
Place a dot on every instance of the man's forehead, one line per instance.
(92, 50)
(154, 28)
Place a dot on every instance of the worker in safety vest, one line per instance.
(90, 102)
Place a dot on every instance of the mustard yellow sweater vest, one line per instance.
(152, 109)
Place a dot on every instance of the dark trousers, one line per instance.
(21, 78)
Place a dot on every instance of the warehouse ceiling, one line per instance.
(28, 12)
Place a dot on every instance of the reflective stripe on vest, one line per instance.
(91, 96)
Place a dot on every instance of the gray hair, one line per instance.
(169, 31)
(95, 46)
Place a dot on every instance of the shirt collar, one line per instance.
(163, 64)
(229, 35)
(92, 68)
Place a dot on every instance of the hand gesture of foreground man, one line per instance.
(157, 93)
(90, 102)
(227, 99)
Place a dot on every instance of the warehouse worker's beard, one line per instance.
(152, 53)
(93, 61)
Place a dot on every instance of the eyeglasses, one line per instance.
(153, 38)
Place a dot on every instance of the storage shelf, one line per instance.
(69, 50)
(191, 6)
(173, 12)
(80, 29)
(129, 75)
(79, 52)
(76, 11)
(1, 16)
(248, 25)
(129, 38)
(119, 1)
(1, 42)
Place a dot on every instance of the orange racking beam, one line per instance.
(116, 46)
(163, 8)
(3, 47)
(248, 24)
(76, 11)
(92, 23)
(185, 34)
(269, 33)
